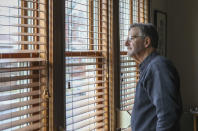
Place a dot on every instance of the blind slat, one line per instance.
(22, 77)
(19, 95)
(126, 61)
(128, 87)
(88, 83)
(10, 60)
(22, 86)
(21, 121)
(88, 70)
(128, 93)
(23, 25)
(80, 104)
(128, 98)
(22, 8)
(78, 126)
(85, 77)
(21, 113)
(32, 127)
(4, 107)
(84, 90)
(20, 51)
(24, 17)
(92, 54)
(83, 64)
(98, 126)
(129, 76)
(30, 43)
(12, 69)
(129, 108)
(34, 1)
(133, 71)
(129, 82)
(128, 66)
(85, 110)
(79, 119)
(87, 96)
(128, 103)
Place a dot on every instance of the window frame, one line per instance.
(98, 52)
(31, 67)
(56, 57)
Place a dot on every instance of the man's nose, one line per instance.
(126, 43)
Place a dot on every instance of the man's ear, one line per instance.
(147, 42)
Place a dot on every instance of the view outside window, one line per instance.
(23, 68)
(86, 66)
(6, 39)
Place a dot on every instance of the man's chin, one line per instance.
(134, 56)
(130, 54)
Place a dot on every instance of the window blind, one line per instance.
(131, 11)
(86, 62)
(23, 65)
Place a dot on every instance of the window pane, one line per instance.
(23, 65)
(86, 65)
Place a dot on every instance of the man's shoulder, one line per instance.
(160, 59)
(161, 62)
(164, 66)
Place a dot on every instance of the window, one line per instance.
(23, 65)
(131, 11)
(86, 64)
(27, 51)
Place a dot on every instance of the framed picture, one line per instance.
(160, 21)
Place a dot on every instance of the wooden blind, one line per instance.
(131, 11)
(23, 65)
(86, 56)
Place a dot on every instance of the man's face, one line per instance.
(135, 42)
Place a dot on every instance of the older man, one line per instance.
(158, 105)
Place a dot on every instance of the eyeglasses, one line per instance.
(129, 39)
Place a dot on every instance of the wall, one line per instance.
(182, 45)
(182, 48)
(161, 5)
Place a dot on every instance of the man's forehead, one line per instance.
(134, 30)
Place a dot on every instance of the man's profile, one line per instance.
(157, 105)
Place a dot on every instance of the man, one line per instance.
(157, 104)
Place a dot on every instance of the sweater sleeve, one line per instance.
(163, 90)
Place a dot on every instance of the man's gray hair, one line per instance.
(147, 30)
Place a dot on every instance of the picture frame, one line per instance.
(160, 21)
